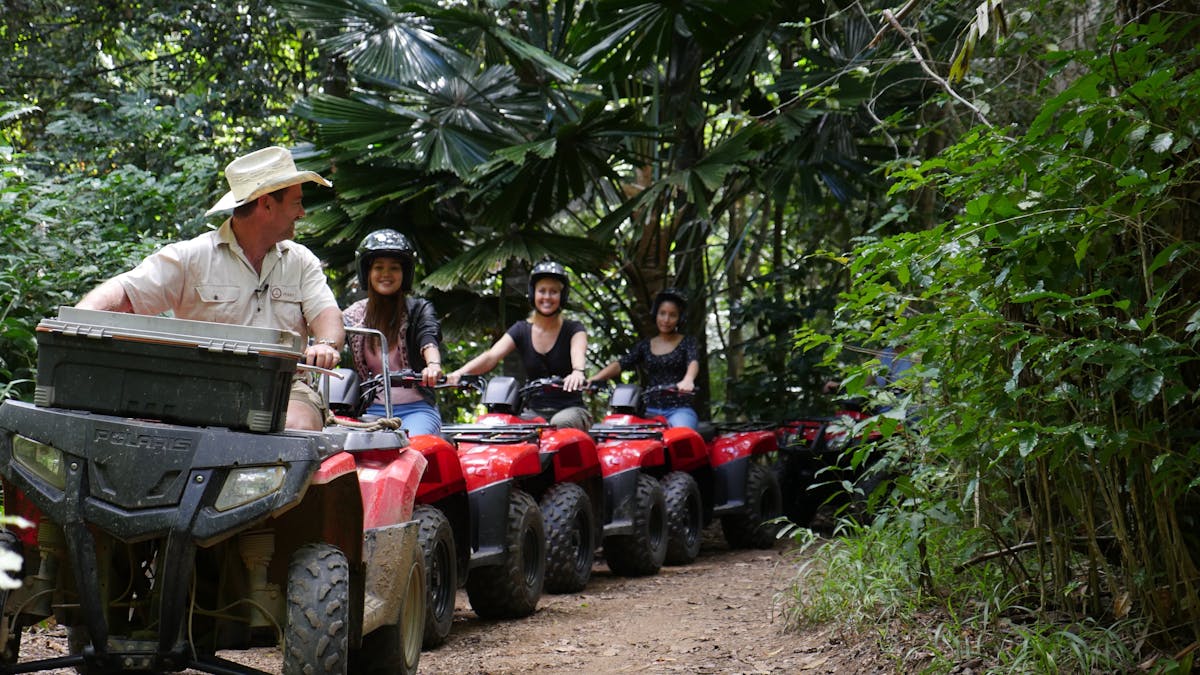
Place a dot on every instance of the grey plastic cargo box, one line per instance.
(175, 370)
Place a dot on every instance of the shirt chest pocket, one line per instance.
(217, 294)
(222, 303)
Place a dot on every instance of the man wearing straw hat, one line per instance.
(247, 272)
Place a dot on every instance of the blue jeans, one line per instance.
(677, 417)
(417, 418)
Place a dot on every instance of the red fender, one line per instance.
(686, 448)
(333, 467)
(574, 453)
(624, 454)
(486, 464)
(389, 487)
(443, 473)
(728, 447)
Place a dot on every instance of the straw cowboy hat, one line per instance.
(262, 172)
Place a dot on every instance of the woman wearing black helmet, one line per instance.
(385, 270)
(549, 345)
(669, 358)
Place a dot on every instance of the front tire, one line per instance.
(570, 538)
(685, 518)
(436, 540)
(642, 552)
(764, 503)
(512, 589)
(10, 642)
(316, 638)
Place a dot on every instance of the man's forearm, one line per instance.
(109, 296)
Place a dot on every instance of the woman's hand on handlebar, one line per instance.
(574, 382)
(431, 374)
(685, 386)
(453, 378)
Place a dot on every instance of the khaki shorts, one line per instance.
(304, 393)
(574, 417)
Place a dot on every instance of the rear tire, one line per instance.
(512, 589)
(436, 540)
(396, 649)
(570, 538)
(685, 518)
(763, 503)
(316, 638)
(642, 552)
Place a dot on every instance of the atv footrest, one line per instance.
(45, 664)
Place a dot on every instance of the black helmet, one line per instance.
(388, 243)
(674, 295)
(549, 268)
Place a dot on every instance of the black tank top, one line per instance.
(557, 361)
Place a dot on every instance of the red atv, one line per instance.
(567, 483)
(579, 480)
(828, 461)
(709, 475)
(478, 528)
(168, 527)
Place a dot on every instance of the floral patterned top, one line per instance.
(659, 369)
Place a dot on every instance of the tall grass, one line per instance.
(868, 580)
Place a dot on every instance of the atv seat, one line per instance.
(345, 394)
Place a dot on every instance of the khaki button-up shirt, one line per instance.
(209, 278)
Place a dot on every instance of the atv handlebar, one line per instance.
(668, 389)
(409, 378)
(556, 383)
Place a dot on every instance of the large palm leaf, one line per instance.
(573, 160)
(378, 40)
(493, 255)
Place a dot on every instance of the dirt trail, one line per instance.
(720, 614)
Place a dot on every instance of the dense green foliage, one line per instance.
(1054, 314)
(114, 120)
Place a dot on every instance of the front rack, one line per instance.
(604, 432)
(504, 435)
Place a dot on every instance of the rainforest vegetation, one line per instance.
(1001, 188)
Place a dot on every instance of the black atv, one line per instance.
(159, 539)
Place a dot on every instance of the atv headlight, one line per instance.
(44, 461)
(243, 486)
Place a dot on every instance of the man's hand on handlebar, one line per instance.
(322, 355)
